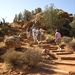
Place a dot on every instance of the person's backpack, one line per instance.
(39, 32)
(28, 29)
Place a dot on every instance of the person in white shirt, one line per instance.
(38, 34)
(34, 35)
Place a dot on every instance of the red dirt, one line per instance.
(48, 67)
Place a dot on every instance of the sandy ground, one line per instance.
(48, 67)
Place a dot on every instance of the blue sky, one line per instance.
(8, 8)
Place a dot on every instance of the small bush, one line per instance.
(72, 32)
(28, 58)
(5, 28)
(66, 39)
(31, 57)
(72, 44)
(50, 39)
(50, 31)
(12, 57)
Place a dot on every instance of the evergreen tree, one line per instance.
(50, 19)
(26, 15)
(15, 18)
(20, 17)
(32, 12)
(38, 10)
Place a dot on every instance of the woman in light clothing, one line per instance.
(58, 39)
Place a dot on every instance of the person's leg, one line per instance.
(59, 42)
(34, 38)
(38, 38)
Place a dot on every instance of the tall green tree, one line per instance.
(26, 15)
(38, 10)
(51, 18)
(32, 12)
(20, 17)
(15, 18)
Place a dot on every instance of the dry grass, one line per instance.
(69, 44)
(29, 58)
(50, 39)
(66, 39)
(72, 44)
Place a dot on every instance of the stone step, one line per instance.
(55, 70)
(52, 49)
(64, 62)
(68, 58)
(64, 53)
(63, 50)
(60, 71)
(54, 55)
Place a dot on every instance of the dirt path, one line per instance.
(60, 66)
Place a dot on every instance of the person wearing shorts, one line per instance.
(58, 39)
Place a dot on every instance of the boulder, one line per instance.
(13, 42)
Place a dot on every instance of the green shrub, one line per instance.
(5, 28)
(72, 32)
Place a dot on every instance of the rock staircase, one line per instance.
(66, 59)
(65, 62)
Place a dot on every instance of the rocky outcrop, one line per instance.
(35, 20)
(23, 35)
(65, 19)
(13, 42)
